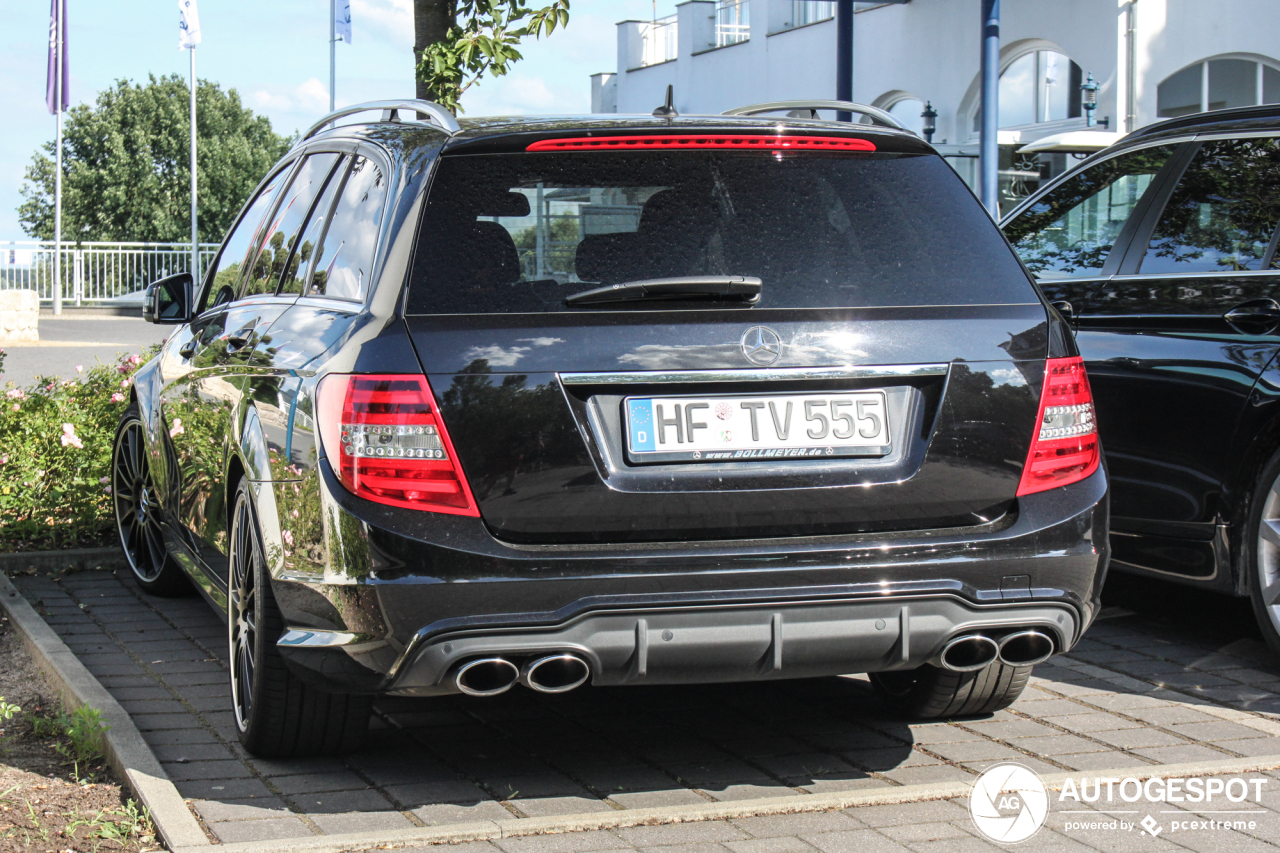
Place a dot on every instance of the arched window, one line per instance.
(907, 111)
(1218, 84)
(1043, 85)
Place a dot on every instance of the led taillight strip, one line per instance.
(704, 141)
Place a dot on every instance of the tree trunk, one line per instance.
(431, 20)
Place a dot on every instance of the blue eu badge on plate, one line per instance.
(640, 420)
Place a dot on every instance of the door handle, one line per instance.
(1258, 313)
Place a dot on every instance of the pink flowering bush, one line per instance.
(55, 469)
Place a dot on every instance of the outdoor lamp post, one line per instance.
(930, 116)
(1089, 100)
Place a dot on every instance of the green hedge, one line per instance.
(55, 457)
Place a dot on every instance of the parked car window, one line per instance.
(1223, 213)
(286, 225)
(1070, 231)
(235, 250)
(296, 267)
(510, 233)
(346, 256)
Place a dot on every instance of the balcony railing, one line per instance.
(93, 272)
(659, 41)
(811, 12)
(733, 23)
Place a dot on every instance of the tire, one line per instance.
(134, 500)
(1260, 552)
(930, 692)
(276, 713)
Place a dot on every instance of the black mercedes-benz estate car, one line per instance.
(1161, 253)
(628, 401)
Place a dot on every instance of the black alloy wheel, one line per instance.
(1260, 552)
(242, 607)
(137, 511)
(277, 714)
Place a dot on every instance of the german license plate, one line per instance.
(745, 429)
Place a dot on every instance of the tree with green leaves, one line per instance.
(458, 42)
(126, 162)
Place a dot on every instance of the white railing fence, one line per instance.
(733, 23)
(94, 272)
(660, 40)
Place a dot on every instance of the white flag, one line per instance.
(188, 24)
(342, 20)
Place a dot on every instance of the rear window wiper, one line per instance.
(744, 287)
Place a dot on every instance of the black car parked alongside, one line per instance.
(1161, 253)
(638, 400)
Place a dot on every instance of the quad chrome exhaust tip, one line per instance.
(486, 676)
(1025, 648)
(968, 653)
(558, 673)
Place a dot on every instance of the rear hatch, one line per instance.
(886, 375)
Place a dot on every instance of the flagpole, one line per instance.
(57, 174)
(195, 238)
(333, 50)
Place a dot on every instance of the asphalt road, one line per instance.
(69, 341)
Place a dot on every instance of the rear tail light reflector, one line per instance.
(1064, 449)
(387, 443)
(736, 142)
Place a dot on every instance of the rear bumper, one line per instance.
(684, 612)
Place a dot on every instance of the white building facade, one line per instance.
(1151, 58)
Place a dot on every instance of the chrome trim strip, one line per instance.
(777, 374)
(296, 637)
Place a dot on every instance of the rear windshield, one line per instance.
(519, 232)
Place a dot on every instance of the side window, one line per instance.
(347, 253)
(1223, 213)
(1071, 230)
(296, 268)
(286, 226)
(235, 251)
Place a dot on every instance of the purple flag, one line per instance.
(51, 94)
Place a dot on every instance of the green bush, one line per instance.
(55, 457)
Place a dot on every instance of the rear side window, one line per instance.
(1223, 213)
(519, 232)
(345, 259)
(1071, 230)
(286, 226)
(232, 261)
(295, 271)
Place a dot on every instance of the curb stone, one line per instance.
(491, 830)
(127, 753)
(80, 559)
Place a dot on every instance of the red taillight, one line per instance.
(385, 439)
(1064, 449)
(704, 140)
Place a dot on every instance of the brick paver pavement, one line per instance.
(1131, 694)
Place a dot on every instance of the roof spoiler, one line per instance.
(876, 114)
(435, 113)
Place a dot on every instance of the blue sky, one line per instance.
(275, 53)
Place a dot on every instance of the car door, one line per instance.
(200, 407)
(1174, 343)
(1066, 236)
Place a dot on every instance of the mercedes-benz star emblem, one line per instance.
(761, 345)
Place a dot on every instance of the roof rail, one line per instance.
(437, 114)
(874, 113)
